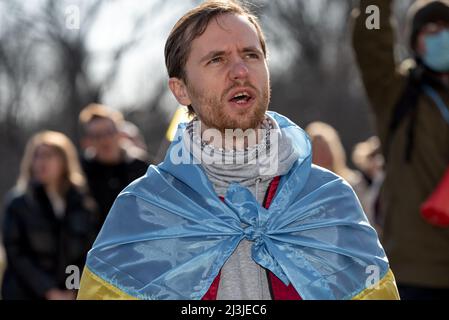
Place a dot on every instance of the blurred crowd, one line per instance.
(61, 199)
(366, 179)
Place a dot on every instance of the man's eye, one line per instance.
(252, 56)
(215, 60)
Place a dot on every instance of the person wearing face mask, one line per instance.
(410, 105)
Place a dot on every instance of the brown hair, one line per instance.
(192, 25)
(72, 176)
(99, 111)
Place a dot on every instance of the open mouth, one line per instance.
(241, 98)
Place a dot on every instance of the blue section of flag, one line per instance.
(168, 234)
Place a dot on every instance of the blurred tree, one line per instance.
(321, 80)
(48, 71)
(46, 65)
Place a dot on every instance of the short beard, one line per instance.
(214, 115)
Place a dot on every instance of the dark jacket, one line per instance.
(107, 181)
(39, 246)
(418, 251)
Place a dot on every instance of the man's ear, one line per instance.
(179, 90)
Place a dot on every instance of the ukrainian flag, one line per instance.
(168, 234)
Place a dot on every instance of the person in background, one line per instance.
(410, 105)
(108, 165)
(328, 152)
(133, 141)
(368, 159)
(49, 222)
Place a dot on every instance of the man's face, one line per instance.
(103, 136)
(227, 78)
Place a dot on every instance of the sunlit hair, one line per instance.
(192, 25)
(332, 139)
(72, 175)
(96, 111)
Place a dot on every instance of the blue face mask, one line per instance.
(437, 51)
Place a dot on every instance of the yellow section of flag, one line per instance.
(180, 116)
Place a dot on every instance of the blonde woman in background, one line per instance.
(328, 152)
(50, 221)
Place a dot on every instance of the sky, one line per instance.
(144, 65)
(143, 68)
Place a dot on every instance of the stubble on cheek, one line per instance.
(212, 110)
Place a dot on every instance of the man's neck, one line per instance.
(231, 139)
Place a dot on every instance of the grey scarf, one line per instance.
(272, 156)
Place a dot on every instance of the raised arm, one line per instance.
(374, 51)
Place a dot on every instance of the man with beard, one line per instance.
(236, 210)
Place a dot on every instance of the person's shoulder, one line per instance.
(15, 200)
(140, 162)
(281, 120)
(133, 197)
(144, 183)
(88, 163)
(323, 173)
(331, 186)
(77, 194)
(136, 158)
(320, 176)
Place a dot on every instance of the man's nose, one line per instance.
(239, 70)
